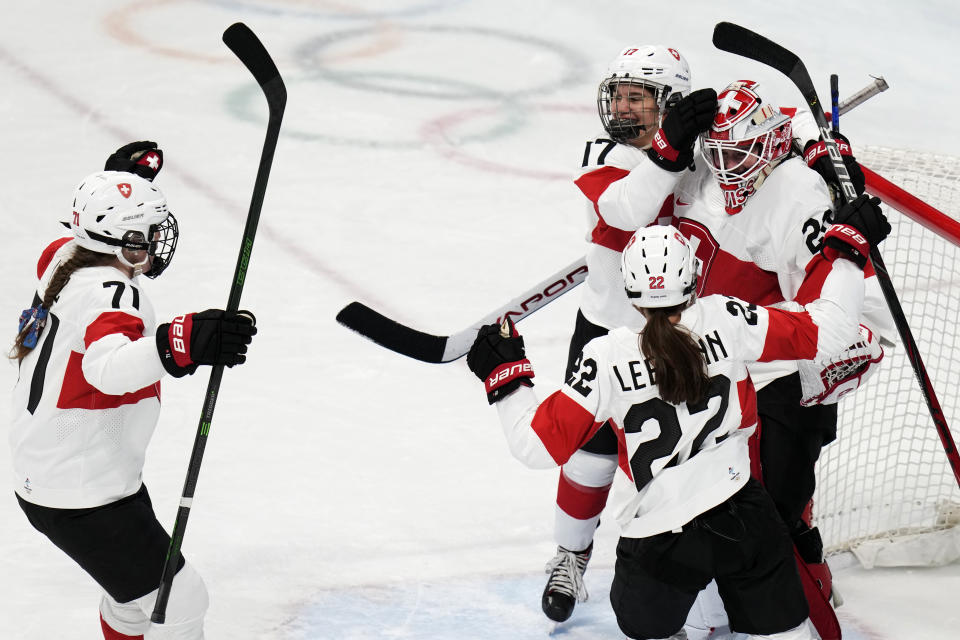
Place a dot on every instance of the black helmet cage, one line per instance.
(625, 130)
(163, 244)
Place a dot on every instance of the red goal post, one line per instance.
(886, 491)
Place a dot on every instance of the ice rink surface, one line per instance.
(424, 168)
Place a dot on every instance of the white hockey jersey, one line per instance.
(675, 461)
(88, 395)
(624, 190)
(769, 253)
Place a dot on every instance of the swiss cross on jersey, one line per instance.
(124, 189)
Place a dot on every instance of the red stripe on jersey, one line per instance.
(111, 322)
(724, 273)
(748, 402)
(609, 237)
(622, 461)
(48, 254)
(741, 279)
(580, 501)
(790, 336)
(593, 185)
(817, 271)
(77, 393)
(563, 426)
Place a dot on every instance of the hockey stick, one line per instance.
(436, 349)
(878, 85)
(736, 39)
(251, 52)
(835, 101)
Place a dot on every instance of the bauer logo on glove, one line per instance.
(497, 357)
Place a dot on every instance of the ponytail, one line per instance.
(80, 259)
(679, 368)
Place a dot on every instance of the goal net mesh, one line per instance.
(887, 476)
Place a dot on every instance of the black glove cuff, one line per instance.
(684, 160)
(839, 246)
(166, 357)
(504, 390)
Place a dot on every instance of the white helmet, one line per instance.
(659, 267)
(748, 138)
(115, 210)
(662, 70)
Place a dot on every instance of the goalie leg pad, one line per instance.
(817, 584)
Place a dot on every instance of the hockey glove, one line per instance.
(497, 357)
(672, 146)
(210, 337)
(142, 158)
(857, 226)
(818, 159)
(825, 384)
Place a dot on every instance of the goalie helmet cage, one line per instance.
(885, 489)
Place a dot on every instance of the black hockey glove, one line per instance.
(497, 357)
(209, 337)
(815, 153)
(672, 146)
(857, 226)
(142, 158)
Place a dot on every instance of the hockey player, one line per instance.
(641, 85)
(88, 396)
(682, 405)
(759, 219)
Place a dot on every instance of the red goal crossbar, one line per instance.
(912, 206)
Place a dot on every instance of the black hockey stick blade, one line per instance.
(742, 41)
(427, 347)
(247, 47)
(392, 335)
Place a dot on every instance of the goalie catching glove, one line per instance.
(858, 225)
(497, 357)
(213, 337)
(826, 383)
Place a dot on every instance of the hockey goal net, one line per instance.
(885, 489)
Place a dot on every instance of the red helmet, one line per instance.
(748, 138)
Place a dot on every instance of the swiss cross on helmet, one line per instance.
(126, 215)
(659, 267)
(654, 73)
(748, 138)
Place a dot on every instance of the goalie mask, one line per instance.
(640, 84)
(659, 268)
(748, 138)
(125, 215)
